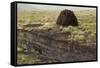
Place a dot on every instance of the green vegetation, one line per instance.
(85, 33)
(26, 59)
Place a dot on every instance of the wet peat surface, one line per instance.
(41, 46)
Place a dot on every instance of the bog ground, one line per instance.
(41, 40)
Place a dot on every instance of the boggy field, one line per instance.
(41, 40)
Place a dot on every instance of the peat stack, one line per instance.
(66, 18)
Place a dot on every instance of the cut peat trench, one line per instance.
(48, 47)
